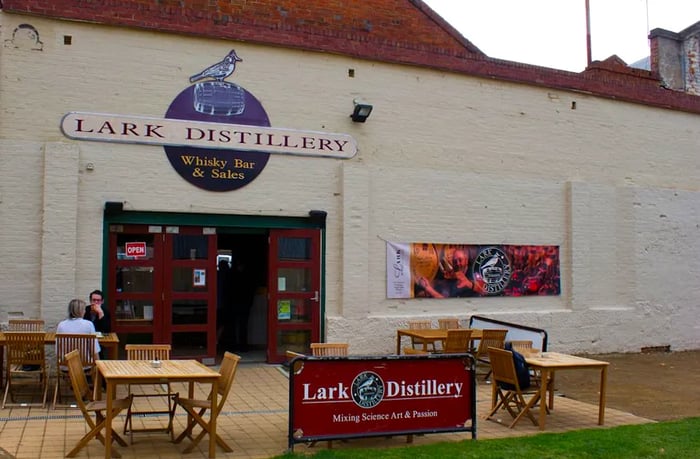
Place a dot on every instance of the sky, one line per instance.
(552, 33)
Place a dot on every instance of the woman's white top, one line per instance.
(79, 325)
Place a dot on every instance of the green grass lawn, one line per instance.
(668, 440)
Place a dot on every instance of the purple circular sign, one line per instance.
(217, 169)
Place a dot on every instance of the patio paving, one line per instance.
(254, 423)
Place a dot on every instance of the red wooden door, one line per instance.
(168, 295)
(135, 283)
(294, 291)
(189, 292)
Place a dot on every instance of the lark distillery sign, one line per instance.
(375, 396)
(216, 134)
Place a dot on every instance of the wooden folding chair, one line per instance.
(525, 347)
(458, 341)
(329, 349)
(421, 324)
(85, 401)
(291, 355)
(506, 391)
(65, 343)
(489, 338)
(196, 408)
(412, 351)
(33, 325)
(150, 352)
(447, 323)
(26, 366)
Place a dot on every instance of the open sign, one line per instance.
(135, 249)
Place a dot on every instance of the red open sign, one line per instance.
(135, 249)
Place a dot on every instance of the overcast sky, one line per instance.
(552, 33)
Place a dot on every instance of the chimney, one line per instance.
(675, 58)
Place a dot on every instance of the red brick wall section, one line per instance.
(396, 31)
(299, 23)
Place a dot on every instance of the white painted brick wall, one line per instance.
(443, 158)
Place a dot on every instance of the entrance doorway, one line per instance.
(241, 309)
(251, 290)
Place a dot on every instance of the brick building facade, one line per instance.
(459, 148)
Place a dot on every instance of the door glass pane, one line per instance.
(190, 247)
(135, 279)
(134, 310)
(122, 239)
(187, 279)
(189, 312)
(293, 340)
(294, 248)
(293, 310)
(189, 344)
(293, 280)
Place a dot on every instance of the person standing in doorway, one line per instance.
(242, 294)
(223, 300)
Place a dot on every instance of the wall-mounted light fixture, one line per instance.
(114, 207)
(318, 217)
(361, 111)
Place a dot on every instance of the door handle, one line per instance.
(315, 297)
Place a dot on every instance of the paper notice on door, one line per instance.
(281, 284)
(199, 277)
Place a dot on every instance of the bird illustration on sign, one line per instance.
(220, 70)
(214, 96)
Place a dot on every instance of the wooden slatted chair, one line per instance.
(412, 351)
(85, 344)
(522, 346)
(446, 323)
(196, 408)
(490, 338)
(525, 347)
(26, 366)
(33, 325)
(150, 352)
(329, 349)
(291, 355)
(420, 324)
(88, 406)
(506, 390)
(458, 341)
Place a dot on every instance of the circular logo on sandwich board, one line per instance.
(367, 389)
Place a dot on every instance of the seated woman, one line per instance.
(75, 323)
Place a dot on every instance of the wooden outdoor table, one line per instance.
(116, 372)
(549, 362)
(109, 341)
(428, 335)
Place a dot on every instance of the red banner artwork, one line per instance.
(432, 270)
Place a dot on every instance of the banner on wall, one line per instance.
(430, 270)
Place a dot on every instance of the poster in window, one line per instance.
(284, 310)
(199, 277)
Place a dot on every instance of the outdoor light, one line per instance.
(114, 207)
(361, 111)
